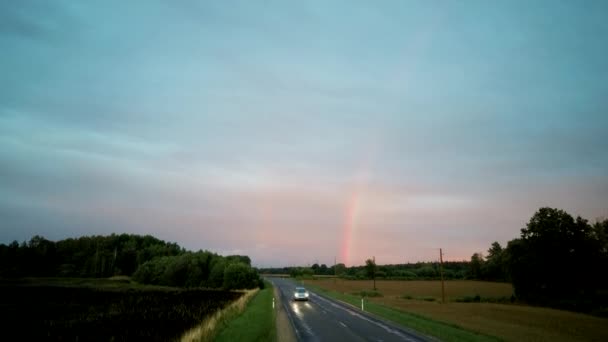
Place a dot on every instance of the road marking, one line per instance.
(344, 325)
(378, 324)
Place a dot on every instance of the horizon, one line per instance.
(252, 262)
(297, 133)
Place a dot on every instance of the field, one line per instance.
(510, 322)
(103, 310)
(454, 289)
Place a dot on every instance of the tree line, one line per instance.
(146, 259)
(406, 271)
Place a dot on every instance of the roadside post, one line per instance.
(273, 302)
(362, 306)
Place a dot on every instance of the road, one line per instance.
(324, 319)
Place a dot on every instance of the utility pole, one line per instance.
(374, 274)
(441, 272)
(335, 273)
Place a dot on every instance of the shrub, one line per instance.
(406, 274)
(479, 299)
(368, 294)
(216, 276)
(426, 272)
(469, 299)
(301, 272)
(240, 276)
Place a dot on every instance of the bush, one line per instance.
(368, 294)
(479, 299)
(469, 299)
(301, 272)
(152, 272)
(426, 272)
(216, 276)
(240, 276)
(426, 298)
(176, 272)
(406, 274)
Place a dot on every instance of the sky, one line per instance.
(301, 132)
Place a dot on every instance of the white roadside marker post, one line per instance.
(273, 302)
(362, 307)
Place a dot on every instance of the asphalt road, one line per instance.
(324, 319)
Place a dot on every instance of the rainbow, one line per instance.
(350, 222)
(353, 206)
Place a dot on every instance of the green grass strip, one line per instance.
(256, 323)
(441, 330)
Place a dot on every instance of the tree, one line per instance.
(600, 234)
(177, 270)
(371, 269)
(476, 266)
(240, 276)
(493, 268)
(216, 276)
(551, 242)
(239, 258)
(305, 272)
(323, 269)
(495, 251)
(339, 269)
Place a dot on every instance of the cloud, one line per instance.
(241, 127)
(35, 20)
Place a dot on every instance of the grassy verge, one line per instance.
(443, 331)
(208, 329)
(256, 323)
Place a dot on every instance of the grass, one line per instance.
(256, 323)
(421, 288)
(490, 316)
(209, 327)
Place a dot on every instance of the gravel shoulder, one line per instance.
(285, 331)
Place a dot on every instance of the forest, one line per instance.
(145, 259)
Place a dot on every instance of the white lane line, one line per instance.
(353, 313)
(342, 324)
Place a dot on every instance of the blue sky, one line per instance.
(298, 131)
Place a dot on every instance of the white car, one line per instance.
(300, 294)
